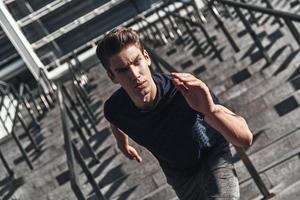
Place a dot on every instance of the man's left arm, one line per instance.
(232, 126)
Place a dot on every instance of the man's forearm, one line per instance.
(121, 137)
(233, 127)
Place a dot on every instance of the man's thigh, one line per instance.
(214, 179)
(220, 176)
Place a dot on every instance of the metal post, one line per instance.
(27, 105)
(73, 105)
(173, 24)
(43, 99)
(81, 135)
(68, 146)
(208, 38)
(198, 12)
(6, 165)
(142, 30)
(20, 117)
(253, 35)
(149, 32)
(168, 32)
(84, 102)
(29, 110)
(88, 174)
(82, 92)
(254, 174)
(176, 19)
(293, 30)
(88, 112)
(252, 15)
(211, 42)
(192, 35)
(17, 139)
(73, 74)
(76, 89)
(35, 105)
(224, 29)
(160, 34)
(22, 150)
(155, 34)
(188, 14)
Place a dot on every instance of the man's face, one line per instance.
(130, 68)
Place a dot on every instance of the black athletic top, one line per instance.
(176, 134)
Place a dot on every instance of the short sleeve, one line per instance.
(108, 110)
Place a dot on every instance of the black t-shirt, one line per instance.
(176, 134)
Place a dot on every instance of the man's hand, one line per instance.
(130, 152)
(195, 92)
(233, 127)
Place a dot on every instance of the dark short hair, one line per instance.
(114, 41)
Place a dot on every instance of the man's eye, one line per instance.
(137, 61)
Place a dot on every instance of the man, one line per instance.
(175, 117)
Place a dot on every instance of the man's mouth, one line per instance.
(140, 85)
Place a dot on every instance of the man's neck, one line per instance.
(149, 99)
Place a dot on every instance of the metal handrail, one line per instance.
(82, 99)
(217, 17)
(286, 16)
(72, 151)
(81, 121)
(68, 147)
(277, 13)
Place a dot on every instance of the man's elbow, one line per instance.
(247, 140)
(248, 136)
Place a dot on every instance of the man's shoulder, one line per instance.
(115, 99)
(161, 77)
(164, 83)
(114, 103)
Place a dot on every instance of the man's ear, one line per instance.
(111, 76)
(147, 57)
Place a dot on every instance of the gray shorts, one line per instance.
(215, 179)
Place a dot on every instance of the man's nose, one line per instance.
(134, 72)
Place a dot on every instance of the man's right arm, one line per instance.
(122, 141)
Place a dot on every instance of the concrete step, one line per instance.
(163, 192)
(259, 90)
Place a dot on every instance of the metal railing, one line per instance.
(15, 99)
(35, 104)
(75, 111)
(71, 150)
(287, 17)
(74, 105)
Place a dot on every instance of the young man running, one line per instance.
(175, 117)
